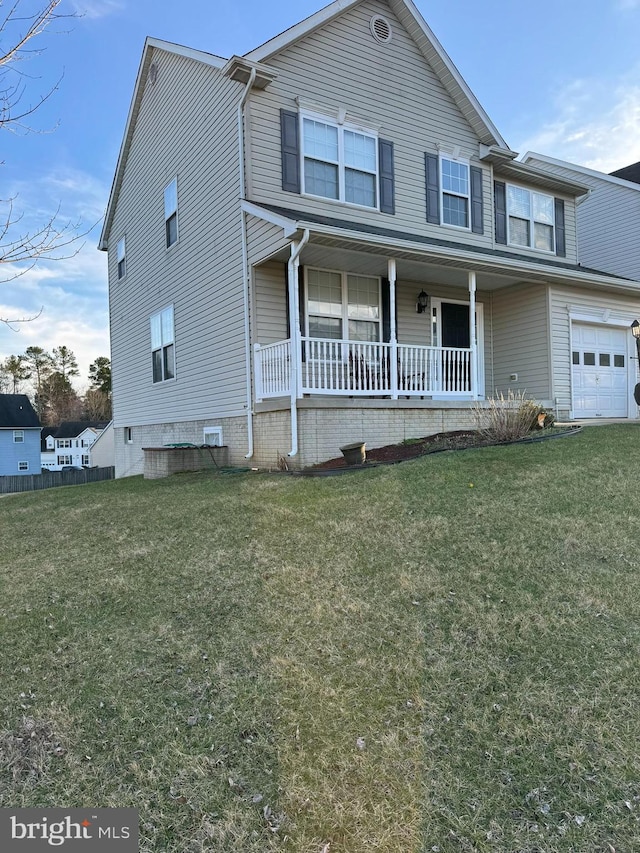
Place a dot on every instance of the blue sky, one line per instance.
(561, 78)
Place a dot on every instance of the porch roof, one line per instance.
(496, 267)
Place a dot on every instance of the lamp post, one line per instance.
(635, 331)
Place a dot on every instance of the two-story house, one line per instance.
(19, 436)
(70, 444)
(328, 240)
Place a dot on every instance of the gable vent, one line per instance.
(380, 29)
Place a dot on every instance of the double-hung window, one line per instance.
(171, 212)
(121, 256)
(162, 345)
(531, 219)
(18, 436)
(455, 192)
(339, 162)
(341, 306)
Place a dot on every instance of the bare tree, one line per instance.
(21, 248)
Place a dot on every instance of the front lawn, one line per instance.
(442, 655)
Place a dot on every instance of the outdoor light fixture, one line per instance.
(423, 303)
(635, 331)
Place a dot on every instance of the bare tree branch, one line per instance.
(20, 250)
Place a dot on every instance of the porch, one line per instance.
(329, 367)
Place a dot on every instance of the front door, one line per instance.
(450, 330)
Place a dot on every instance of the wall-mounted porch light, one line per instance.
(422, 303)
(635, 331)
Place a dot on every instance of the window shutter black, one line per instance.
(561, 244)
(290, 151)
(477, 215)
(387, 178)
(500, 202)
(433, 188)
(386, 310)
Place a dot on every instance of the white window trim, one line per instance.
(169, 213)
(23, 465)
(341, 126)
(444, 192)
(164, 381)
(531, 221)
(128, 435)
(210, 432)
(121, 258)
(18, 436)
(344, 317)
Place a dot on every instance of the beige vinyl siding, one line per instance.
(607, 308)
(386, 87)
(270, 299)
(186, 128)
(521, 341)
(608, 222)
(263, 239)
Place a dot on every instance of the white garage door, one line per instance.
(600, 387)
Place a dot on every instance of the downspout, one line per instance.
(245, 264)
(472, 335)
(295, 334)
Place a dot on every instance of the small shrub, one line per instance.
(509, 418)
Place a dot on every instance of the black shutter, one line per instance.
(290, 151)
(386, 310)
(500, 202)
(433, 188)
(477, 216)
(561, 244)
(387, 179)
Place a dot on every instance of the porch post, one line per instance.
(295, 334)
(473, 367)
(393, 336)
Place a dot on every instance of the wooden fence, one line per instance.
(51, 479)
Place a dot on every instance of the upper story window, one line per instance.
(121, 256)
(18, 436)
(531, 219)
(171, 212)
(456, 193)
(162, 345)
(23, 466)
(339, 162)
(63, 442)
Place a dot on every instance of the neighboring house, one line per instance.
(609, 239)
(48, 449)
(328, 240)
(70, 444)
(608, 218)
(102, 452)
(19, 436)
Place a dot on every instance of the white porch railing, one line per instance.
(355, 368)
(272, 370)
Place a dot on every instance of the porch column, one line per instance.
(295, 334)
(473, 367)
(393, 334)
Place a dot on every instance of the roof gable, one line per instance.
(425, 39)
(17, 412)
(150, 46)
(74, 429)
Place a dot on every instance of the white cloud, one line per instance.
(595, 124)
(70, 293)
(96, 8)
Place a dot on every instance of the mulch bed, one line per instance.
(456, 440)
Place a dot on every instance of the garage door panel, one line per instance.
(599, 371)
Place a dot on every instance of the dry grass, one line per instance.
(440, 655)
